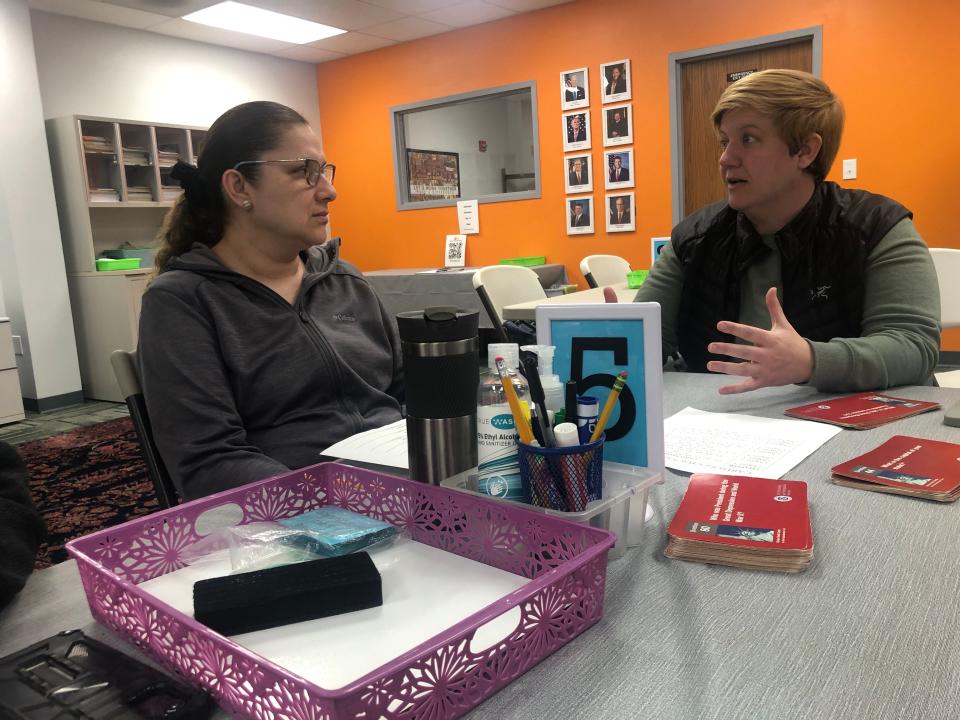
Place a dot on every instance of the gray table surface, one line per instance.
(406, 289)
(870, 630)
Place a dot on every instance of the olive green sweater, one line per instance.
(899, 341)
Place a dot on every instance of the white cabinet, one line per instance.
(106, 312)
(11, 403)
(113, 184)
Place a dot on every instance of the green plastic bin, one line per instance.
(124, 253)
(635, 278)
(118, 263)
(526, 261)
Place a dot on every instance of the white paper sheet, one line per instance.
(446, 270)
(425, 591)
(468, 215)
(699, 441)
(385, 445)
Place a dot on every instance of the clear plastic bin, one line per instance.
(621, 509)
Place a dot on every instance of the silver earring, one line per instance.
(247, 204)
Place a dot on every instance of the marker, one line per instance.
(570, 401)
(528, 360)
(566, 434)
(608, 407)
(588, 409)
(523, 427)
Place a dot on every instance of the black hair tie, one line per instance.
(190, 181)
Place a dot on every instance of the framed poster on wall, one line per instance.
(433, 174)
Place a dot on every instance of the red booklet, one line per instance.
(862, 411)
(906, 466)
(743, 521)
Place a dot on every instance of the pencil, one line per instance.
(523, 427)
(608, 407)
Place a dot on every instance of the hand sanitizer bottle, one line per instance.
(496, 432)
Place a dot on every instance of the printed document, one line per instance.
(726, 443)
(385, 445)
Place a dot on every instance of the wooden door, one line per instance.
(701, 83)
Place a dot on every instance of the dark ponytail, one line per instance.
(245, 132)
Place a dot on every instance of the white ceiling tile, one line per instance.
(216, 36)
(413, 7)
(467, 13)
(305, 53)
(409, 28)
(345, 14)
(169, 8)
(383, 21)
(101, 12)
(522, 6)
(352, 42)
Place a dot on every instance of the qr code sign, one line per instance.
(456, 250)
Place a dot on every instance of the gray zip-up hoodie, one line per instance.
(240, 385)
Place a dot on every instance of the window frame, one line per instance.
(400, 171)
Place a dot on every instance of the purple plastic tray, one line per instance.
(566, 563)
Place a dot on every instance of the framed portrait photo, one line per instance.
(433, 174)
(576, 130)
(619, 209)
(574, 89)
(617, 125)
(578, 173)
(580, 215)
(618, 169)
(615, 78)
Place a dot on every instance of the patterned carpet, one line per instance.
(86, 480)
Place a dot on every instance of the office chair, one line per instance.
(947, 263)
(601, 270)
(499, 285)
(128, 377)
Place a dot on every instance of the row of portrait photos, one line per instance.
(618, 208)
(575, 85)
(617, 171)
(617, 128)
(617, 119)
(617, 131)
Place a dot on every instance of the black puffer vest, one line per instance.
(823, 256)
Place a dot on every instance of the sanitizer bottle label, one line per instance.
(497, 453)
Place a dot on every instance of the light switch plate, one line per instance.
(850, 169)
(17, 345)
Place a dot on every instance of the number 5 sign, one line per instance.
(594, 343)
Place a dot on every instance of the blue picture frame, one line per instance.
(595, 342)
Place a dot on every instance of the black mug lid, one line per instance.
(438, 324)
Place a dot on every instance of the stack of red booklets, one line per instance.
(744, 522)
(906, 466)
(861, 412)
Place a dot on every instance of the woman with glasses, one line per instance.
(259, 346)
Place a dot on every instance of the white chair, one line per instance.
(499, 285)
(947, 263)
(601, 270)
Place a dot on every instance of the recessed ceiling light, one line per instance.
(265, 23)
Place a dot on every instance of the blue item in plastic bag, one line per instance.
(333, 531)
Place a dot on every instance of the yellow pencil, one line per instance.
(608, 407)
(523, 427)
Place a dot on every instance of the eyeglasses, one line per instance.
(312, 169)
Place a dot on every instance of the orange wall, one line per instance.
(893, 63)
